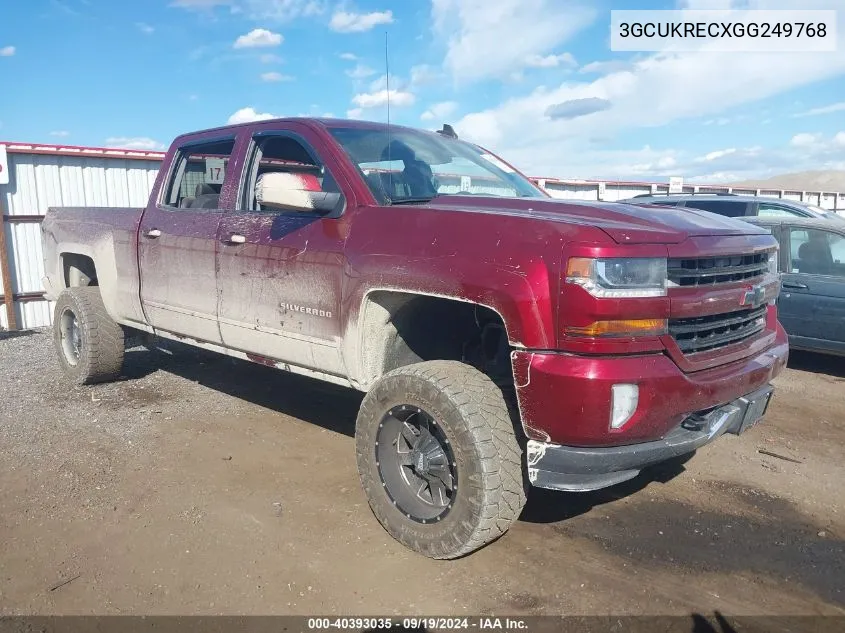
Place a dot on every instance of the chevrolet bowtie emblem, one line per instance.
(753, 297)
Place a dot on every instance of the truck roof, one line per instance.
(323, 121)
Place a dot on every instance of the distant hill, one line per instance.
(801, 181)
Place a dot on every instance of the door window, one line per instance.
(817, 252)
(285, 154)
(198, 174)
(769, 210)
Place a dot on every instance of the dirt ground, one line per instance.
(203, 485)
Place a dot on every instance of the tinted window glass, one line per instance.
(768, 210)
(731, 209)
(817, 252)
(198, 175)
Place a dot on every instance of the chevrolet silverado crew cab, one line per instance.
(503, 339)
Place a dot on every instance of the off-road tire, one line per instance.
(471, 411)
(101, 340)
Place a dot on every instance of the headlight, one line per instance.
(773, 262)
(619, 277)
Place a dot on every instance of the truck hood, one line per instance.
(624, 223)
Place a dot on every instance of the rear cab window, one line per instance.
(197, 175)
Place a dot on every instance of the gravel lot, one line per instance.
(200, 484)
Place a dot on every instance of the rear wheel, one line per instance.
(439, 459)
(89, 343)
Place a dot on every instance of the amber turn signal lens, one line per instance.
(580, 268)
(627, 327)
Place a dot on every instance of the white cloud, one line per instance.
(346, 22)
(805, 139)
(270, 58)
(258, 10)
(60, 133)
(606, 67)
(721, 153)
(248, 115)
(274, 77)
(355, 113)
(134, 142)
(828, 109)
(145, 28)
(349, 57)
(423, 74)
(719, 165)
(258, 38)
(7, 51)
(381, 83)
(360, 71)
(519, 129)
(493, 39)
(200, 4)
(398, 98)
(575, 108)
(565, 60)
(441, 110)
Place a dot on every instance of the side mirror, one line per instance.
(294, 192)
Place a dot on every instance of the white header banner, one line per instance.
(790, 31)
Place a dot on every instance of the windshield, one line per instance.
(415, 166)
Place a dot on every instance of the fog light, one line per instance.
(624, 400)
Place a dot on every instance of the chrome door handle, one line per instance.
(794, 286)
(152, 234)
(235, 239)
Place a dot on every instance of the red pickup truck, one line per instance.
(503, 339)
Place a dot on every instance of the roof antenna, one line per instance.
(387, 87)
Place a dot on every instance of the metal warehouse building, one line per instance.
(35, 177)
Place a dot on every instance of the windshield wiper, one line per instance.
(420, 200)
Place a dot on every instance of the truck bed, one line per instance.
(107, 235)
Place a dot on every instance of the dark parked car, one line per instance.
(811, 305)
(738, 206)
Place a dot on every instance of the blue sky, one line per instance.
(532, 79)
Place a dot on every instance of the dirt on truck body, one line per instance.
(503, 339)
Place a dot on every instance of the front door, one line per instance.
(812, 302)
(177, 244)
(280, 270)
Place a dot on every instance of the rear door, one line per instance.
(812, 303)
(178, 238)
(280, 271)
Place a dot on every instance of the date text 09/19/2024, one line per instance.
(414, 623)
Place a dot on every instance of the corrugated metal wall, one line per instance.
(41, 178)
(44, 176)
(612, 191)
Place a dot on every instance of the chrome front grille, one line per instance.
(710, 271)
(700, 334)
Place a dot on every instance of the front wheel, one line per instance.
(89, 343)
(439, 459)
